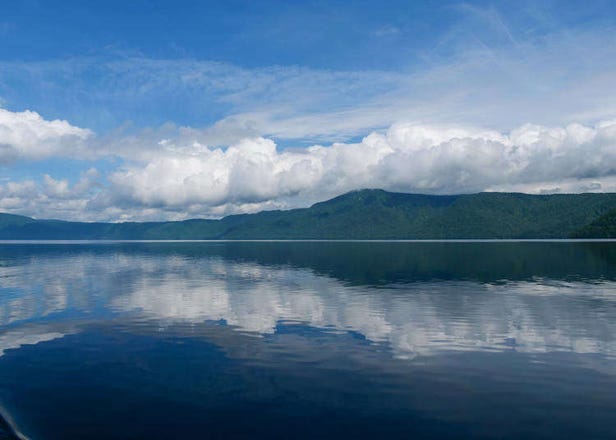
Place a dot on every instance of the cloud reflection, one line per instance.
(422, 318)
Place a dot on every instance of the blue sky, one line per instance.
(158, 109)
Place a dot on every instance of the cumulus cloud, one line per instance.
(173, 173)
(407, 157)
(26, 135)
(52, 198)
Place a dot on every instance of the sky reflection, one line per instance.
(45, 296)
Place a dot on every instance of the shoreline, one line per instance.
(309, 240)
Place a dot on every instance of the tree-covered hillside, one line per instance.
(365, 214)
(602, 227)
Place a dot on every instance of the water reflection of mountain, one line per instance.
(374, 263)
(430, 299)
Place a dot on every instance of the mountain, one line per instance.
(602, 227)
(365, 214)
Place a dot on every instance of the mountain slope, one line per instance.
(602, 227)
(365, 214)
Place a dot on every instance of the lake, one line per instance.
(490, 340)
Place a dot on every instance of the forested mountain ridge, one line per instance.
(602, 227)
(366, 214)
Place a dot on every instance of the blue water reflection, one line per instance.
(491, 340)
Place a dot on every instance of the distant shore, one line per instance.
(369, 214)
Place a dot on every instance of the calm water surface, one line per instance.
(313, 340)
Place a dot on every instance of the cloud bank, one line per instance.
(409, 157)
(179, 176)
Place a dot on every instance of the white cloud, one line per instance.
(26, 135)
(407, 157)
(486, 73)
(180, 177)
(52, 198)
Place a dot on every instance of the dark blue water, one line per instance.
(308, 340)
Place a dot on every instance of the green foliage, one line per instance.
(602, 227)
(10, 220)
(367, 214)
